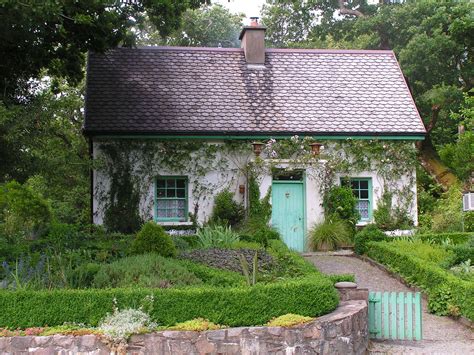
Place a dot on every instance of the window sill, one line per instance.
(177, 223)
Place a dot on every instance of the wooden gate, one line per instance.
(395, 315)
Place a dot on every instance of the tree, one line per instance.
(432, 40)
(55, 35)
(208, 26)
(44, 146)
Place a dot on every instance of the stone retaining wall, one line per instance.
(344, 331)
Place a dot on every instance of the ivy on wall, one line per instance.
(132, 165)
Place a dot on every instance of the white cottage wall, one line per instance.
(232, 178)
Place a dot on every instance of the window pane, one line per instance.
(170, 183)
(364, 194)
(355, 185)
(364, 184)
(363, 208)
(160, 193)
(180, 183)
(170, 193)
(160, 183)
(181, 193)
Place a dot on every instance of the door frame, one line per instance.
(305, 217)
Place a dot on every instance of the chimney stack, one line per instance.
(253, 42)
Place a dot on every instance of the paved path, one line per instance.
(441, 335)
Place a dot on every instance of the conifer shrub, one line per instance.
(152, 238)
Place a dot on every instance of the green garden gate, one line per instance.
(395, 315)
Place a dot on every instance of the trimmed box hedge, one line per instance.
(426, 275)
(233, 306)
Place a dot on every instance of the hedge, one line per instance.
(438, 238)
(426, 275)
(233, 306)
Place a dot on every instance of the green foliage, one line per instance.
(461, 253)
(83, 275)
(289, 320)
(457, 295)
(153, 238)
(341, 277)
(250, 276)
(122, 207)
(226, 211)
(439, 238)
(207, 26)
(369, 233)
(256, 231)
(468, 221)
(447, 215)
(216, 237)
(149, 270)
(429, 252)
(234, 306)
(64, 32)
(290, 263)
(329, 235)
(23, 213)
(259, 209)
(389, 217)
(340, 201)
(196, 325)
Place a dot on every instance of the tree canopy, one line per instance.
(55, 35)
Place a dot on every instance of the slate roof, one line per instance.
(212, 91)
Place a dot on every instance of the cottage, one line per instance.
(170, 127)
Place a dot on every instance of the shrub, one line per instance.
(234, 306)
(289, 320)
(290, 263)
(184, 242)
(148, 270)
(329, 235)
(119, 325)
(447, 215)
(428, 252)
(340, 201)
(23, 212)
(369, 233)
(196, 325)
(460, 253)
(153, 238)
(83, 275)
(469, 221)
(335, 278)
(226, 211)
(388, 217)
(428, 276)
(216, 237)
(261, 235)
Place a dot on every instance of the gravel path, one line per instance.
(441, 335)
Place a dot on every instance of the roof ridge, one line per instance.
(269, 50)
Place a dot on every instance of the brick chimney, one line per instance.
(253, 42)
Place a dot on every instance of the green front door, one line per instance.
(288, 212)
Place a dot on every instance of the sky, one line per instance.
(248, 7)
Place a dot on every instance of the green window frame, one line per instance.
(362, 190)
(171, 199)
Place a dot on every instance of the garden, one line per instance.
(70, 279)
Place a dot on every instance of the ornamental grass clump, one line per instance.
(329, 235)
(216, 237)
